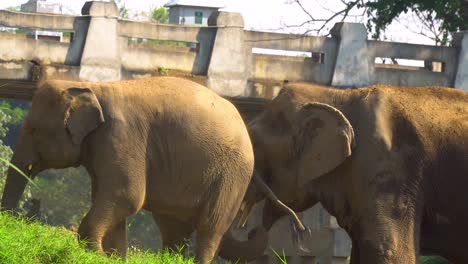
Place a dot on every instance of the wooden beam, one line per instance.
(249, 107)
(17, 89)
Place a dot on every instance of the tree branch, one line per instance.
(341, 14)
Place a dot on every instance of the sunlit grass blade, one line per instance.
(281, 258)
(19, 171)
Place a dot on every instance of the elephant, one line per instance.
(164, 144)
(390, 163)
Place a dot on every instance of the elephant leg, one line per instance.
(355, 252)
(175, 233)
(103, 218)
(115, 240)
(213, 222)
(87, 233)
(208, 241)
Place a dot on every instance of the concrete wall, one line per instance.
(446, 55)
(145, 57)
(291, 68)
(347, 58)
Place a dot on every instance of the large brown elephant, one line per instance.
(390, 163)
(167, 145)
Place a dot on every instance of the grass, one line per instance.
(24, 242)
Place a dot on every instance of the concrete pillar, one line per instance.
(460, 41)
(353, 65)
(227, 71)
(100, 60)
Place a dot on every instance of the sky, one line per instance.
(265, 15)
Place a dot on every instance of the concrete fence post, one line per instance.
(100, 60)
(460, 41)
(227, 71)
(353, 66)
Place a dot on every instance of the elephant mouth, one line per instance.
(30, 171)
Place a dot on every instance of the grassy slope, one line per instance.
(23, 242)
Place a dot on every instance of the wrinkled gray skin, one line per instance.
(167, 145)
(390, 163)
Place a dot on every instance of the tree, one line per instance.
(439, 18)
(123, 11)
(451, 16)
(14, 8)
(159, 14)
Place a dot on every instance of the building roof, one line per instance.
(42, 6)
(200, 3)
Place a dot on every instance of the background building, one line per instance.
(43, 6)
(192, 12)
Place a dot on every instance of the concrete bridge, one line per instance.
(226, 58)
(222, 56)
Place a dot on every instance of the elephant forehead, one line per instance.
(315, 123)
(46, 100)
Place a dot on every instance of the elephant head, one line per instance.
(54, 142)
(295, 141)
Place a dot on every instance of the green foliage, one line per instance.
(433, 260)
(163, 71)
(24, 242)
(65, 196)
(14, 8)
(453, 14)
(281, 258)
(8, 116)
(5, 151)
(123, 11)
(159, 14)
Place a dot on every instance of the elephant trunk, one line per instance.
(23, 159)
(244, 251)
(277, 202)
(257, 242)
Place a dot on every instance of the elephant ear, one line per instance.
(326, 139)
(83, 113)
